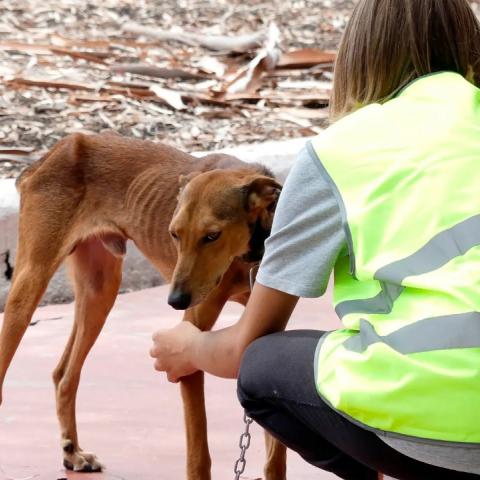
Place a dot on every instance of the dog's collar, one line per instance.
(252, 274)
(256, 244)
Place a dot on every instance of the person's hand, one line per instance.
(173, 350)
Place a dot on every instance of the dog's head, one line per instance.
(221, 215)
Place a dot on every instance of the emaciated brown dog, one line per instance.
(83, 201)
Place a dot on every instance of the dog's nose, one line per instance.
(179, 300)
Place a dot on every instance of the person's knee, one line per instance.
(256, 365)
(280, 365)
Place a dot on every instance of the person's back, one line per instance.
(408, 292)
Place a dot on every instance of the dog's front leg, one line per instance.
(192, 388)
(198, 456)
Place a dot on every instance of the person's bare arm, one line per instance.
(185, 349)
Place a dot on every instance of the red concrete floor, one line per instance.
(127, 413)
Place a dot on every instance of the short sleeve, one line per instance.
(307, 235)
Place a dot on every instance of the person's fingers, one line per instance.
(172, 378)
(153, 352)
(156, 335)
(159, 366)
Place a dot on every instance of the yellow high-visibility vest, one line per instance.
(406, 174)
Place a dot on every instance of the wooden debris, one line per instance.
(249, 79)
(24, 155)
(223, 43)
(198, 75)
(305, 57)
(89, 56)
(170, 97)
(147, 70)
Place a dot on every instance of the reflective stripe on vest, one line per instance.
(406, 176)
(461, 330)
(438, 251)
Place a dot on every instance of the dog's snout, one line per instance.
(179, 299)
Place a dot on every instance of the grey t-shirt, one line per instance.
(307, 239)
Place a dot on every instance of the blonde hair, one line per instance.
(389, 43)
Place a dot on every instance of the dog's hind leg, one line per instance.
(276, 463)
(96, 275)
(204, 317)
(38, 257)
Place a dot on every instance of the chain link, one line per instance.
(244, 443)
(245, 437)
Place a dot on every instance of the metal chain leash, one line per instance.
(245, 437)
(244, 443)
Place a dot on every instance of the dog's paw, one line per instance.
(78, 460)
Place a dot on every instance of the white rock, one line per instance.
(9, 204)
(276, 155)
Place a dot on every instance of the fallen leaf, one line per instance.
(173, 98)
(210, 65)
(16, 150)
(305, 57)
(248, 80)
(305, 85)
(306, 113)
(302, 122)
(33, 48)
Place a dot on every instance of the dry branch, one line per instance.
(89, 56)
(223, 43)
(157, 72)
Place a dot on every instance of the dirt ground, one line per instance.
(66, 66)
(80, 44)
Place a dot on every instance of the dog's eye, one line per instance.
(211, 237)
(174, 235)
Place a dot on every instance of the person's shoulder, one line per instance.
(349, 133)
(305, 175)
(354, 121)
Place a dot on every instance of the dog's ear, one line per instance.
(184, 179)
(261, 195)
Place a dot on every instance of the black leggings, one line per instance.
(277, 389)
